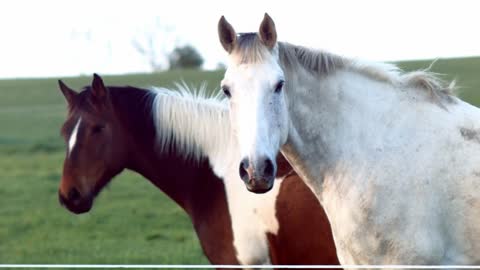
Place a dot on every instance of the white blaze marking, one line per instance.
(73, 136)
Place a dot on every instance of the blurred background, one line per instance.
(145, 43)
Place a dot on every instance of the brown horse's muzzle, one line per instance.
(75, 202)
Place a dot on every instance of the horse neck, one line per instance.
(180, 179)
(349, 114)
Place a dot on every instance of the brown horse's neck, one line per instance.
(179, 178)
(192, 185)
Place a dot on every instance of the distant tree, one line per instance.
(150, 52)
(185, 57)
(153, 42)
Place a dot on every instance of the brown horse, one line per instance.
(109, 129)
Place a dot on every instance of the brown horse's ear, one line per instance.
(267, 32)
(99, 91)
(227, 35)
(70, 95)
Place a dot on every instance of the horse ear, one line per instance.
(70, 95)
(99, 91)
(227, 35)
(267, 31)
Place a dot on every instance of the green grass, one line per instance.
(132, 222)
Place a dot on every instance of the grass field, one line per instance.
(131, 222)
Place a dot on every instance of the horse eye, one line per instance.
(226, 91)
(279, 86)
(97, 129)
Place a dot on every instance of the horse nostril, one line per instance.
(73, 195)
(269, 168)
(243, 169)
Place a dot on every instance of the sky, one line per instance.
(70, 38)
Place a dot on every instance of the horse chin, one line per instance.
(258, 191)
(80, 209)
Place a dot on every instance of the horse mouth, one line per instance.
(258, 189)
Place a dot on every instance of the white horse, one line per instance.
(394, 158)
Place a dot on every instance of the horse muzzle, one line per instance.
(258, 178)
(75, 203)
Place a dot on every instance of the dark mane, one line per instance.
(135, 104)
(121, 95)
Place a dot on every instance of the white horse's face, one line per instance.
(259, 114)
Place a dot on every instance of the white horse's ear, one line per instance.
(227, 34)
(267, 31)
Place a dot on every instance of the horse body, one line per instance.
(390, 162)
(393, 158)
(232, 226)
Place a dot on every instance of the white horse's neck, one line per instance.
(355, 119)
(351, 112)
(369, 149)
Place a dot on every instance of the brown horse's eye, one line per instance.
(97, 129)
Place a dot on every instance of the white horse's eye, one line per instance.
(226, 91)
(279, 86)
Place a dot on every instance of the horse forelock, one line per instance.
(249, 49)
(82, 104)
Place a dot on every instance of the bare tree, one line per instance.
(154, 44)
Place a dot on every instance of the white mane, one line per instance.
(249, 49)
(324, 63)
(193, 122)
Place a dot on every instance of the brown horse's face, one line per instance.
(95, 146)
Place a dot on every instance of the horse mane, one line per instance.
(190, 121)
(249, 49)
